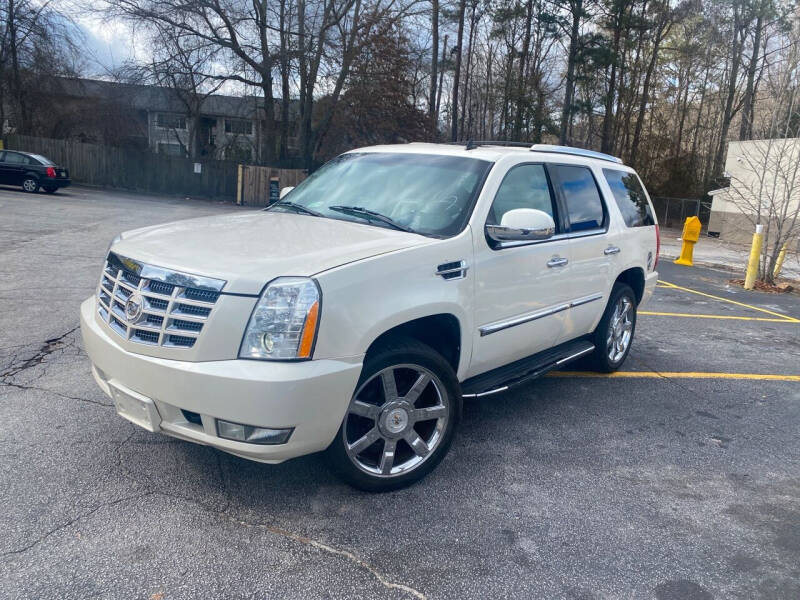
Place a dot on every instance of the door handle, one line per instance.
(611, 250)
(557, 261)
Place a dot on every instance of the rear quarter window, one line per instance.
(579, 190)
(630, 197)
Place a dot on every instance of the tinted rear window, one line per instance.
(630, 197)
(579, 189)
(42, 159)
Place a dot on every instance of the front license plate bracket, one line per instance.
(139, 410)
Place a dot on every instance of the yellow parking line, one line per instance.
(674, 375)
(750, 306)
(692, 316)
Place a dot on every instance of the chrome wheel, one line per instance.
(620, 329)
(396, 420)
(30, 185)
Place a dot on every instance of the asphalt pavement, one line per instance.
(678, 478)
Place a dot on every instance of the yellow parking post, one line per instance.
(691, 233)
(239, 185)
(752, 263)
(779, 262)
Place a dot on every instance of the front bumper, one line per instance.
(309, 396)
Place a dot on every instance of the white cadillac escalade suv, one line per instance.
(355, 314)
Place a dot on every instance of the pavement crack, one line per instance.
(339, 552)
(71, 522)
(21, 386)
(46, 349)
(305, 540)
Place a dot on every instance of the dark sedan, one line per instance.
(32, 172)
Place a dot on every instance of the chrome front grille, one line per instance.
(151, 305)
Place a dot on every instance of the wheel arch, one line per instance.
(634, 277)
(441, 331)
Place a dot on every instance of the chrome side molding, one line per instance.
(520, 320)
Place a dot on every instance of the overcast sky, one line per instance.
(108, 44)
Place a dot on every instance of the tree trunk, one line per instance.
(523, 63)
(746, 127)
(663, 29)
(607, 143)
(284, 68)
(569, 92)
(432, 111)
(457, 76)
(441, 80)
(727, 115)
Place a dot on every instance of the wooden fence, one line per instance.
(109, 166)
(260, 186)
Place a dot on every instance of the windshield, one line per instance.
(426, 193)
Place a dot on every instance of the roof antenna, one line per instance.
(470, 145)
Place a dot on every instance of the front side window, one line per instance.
(426, 193)
(17, 159)
(581, 196)
(524, 186)
(631, 198)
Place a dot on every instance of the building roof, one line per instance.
(159, 99)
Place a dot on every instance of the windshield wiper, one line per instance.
(296, 207)
(370, 215)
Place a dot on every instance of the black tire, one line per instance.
(50, 190)
(30, 184)
(402, 354)
(601, 359)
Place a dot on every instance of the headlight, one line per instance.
(114, 241)
(283, 325)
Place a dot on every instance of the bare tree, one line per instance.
(767, 190)
(181, 63)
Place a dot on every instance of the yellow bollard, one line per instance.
(691, 233)
(779, 263)
(755, 255)
(239, 184)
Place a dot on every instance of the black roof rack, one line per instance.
(472, 144)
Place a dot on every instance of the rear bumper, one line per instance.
(57, 183)
(649, 287)
(311, 397)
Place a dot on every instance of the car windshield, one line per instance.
(425, 193)
(42, 160)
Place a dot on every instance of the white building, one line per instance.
(764, 178)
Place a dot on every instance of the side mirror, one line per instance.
(285, 191)
(522, 225)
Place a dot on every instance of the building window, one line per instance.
(170, 149)
(167, 121)
(239, 126)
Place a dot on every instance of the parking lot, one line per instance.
(678, 477)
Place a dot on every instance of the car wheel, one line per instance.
(30, 185)
(50, 189)
(401, 419)
(614, 333)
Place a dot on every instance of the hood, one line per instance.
(249, 249)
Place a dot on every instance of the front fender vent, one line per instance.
(452, 270)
